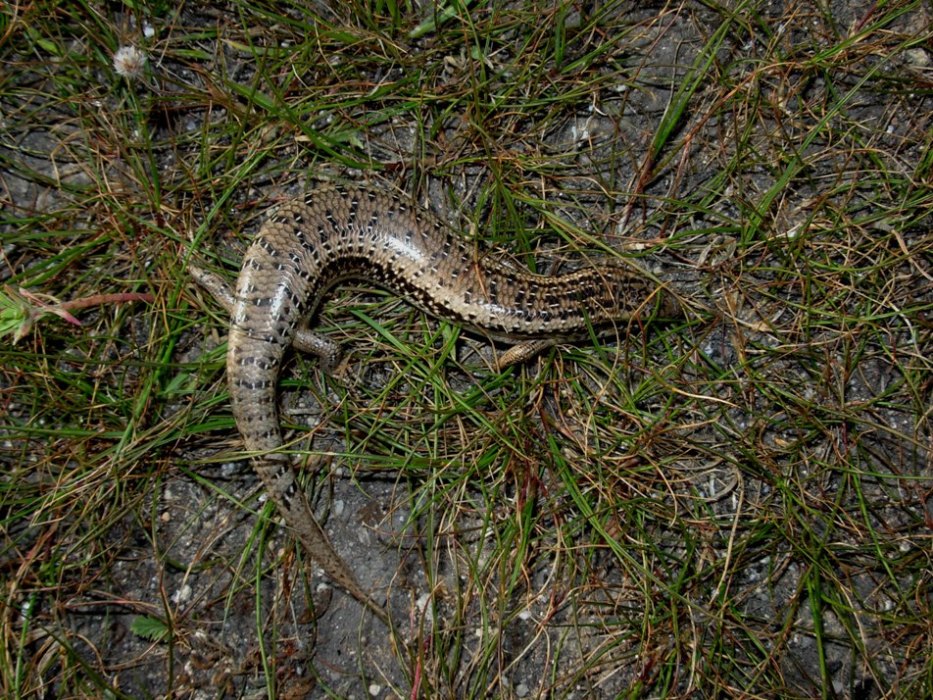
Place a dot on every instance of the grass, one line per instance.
(736, 504)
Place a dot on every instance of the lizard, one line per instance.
(337, 232)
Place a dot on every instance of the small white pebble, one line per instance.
(182, 595)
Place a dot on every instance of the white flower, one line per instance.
(129, 61)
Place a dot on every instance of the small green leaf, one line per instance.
(15, 318)
(150, 628)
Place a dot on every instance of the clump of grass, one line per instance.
(735, 502)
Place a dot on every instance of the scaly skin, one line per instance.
(335, 233)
